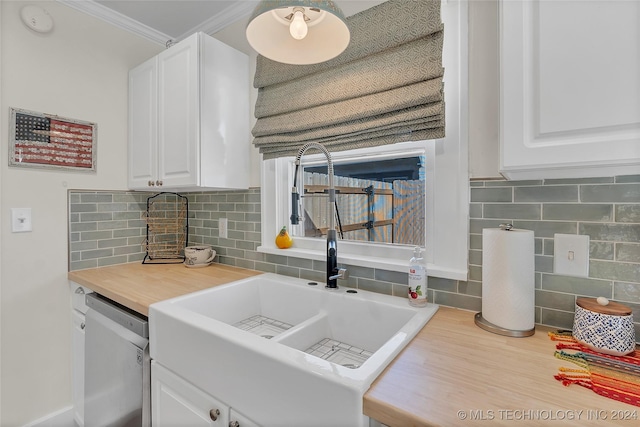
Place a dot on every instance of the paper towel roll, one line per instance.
(508, 278)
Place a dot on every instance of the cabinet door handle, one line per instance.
(214, 413)
(151, 183)
(159, 183)
(82, 325)
(234, 423)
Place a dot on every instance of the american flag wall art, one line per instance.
(44, 140)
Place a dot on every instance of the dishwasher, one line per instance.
(117, 383)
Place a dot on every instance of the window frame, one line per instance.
(447, 188)
(277, 182)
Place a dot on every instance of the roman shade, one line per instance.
(386, 87)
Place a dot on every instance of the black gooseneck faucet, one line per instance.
(333, 272)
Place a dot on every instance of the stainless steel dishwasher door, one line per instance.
(117, 366)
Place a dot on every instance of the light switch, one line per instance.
(20, 220)
(571, 255)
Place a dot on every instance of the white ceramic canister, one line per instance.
(604, 326)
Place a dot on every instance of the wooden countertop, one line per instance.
(452, 365)
(452, 368)
(138, 285)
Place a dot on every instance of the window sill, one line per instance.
(399, 265)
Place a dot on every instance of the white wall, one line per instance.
(77, 71)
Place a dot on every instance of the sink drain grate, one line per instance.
(263, 326)
(339, 353)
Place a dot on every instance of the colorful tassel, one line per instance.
(614, 377)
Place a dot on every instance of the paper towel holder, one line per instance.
(482, 323)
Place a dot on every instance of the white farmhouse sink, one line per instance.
(281, 351)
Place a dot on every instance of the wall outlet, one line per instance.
(222, 227)
(20, 220)
(571, 255)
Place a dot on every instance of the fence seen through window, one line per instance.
(380, 201)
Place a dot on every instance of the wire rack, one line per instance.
(167, 218)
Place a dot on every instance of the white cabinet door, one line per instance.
(175, 402)
(570, 88)
(178, 114)
(143, 125)
(78, 310)
(238, 420)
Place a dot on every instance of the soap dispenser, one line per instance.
(417, 280)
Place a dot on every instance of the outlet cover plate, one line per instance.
(223, 227)
(571, 255)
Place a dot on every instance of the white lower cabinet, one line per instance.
(78, 311)
(175, 402)
(238, 420)
(78, 366)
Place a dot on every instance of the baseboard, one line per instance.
(60, 418)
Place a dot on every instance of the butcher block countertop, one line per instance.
(455, 374)
(452, 373)
(138, 285)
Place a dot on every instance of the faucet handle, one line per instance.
(342, 273)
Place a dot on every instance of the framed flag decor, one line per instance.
(47, 141)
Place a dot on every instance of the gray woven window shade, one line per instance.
(386, 87)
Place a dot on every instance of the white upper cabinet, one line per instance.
(189, 123)
(570, 88)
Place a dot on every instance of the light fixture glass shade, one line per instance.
(268, 31)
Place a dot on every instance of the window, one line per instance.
(445, 190)
(379, 200)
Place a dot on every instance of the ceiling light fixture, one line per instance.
(298, 32)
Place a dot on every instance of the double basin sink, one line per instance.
(281, 350)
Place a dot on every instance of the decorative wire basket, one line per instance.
(167, 218)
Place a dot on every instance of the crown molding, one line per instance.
(238, 10)
(117, 19)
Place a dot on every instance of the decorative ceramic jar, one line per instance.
(604, 326)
